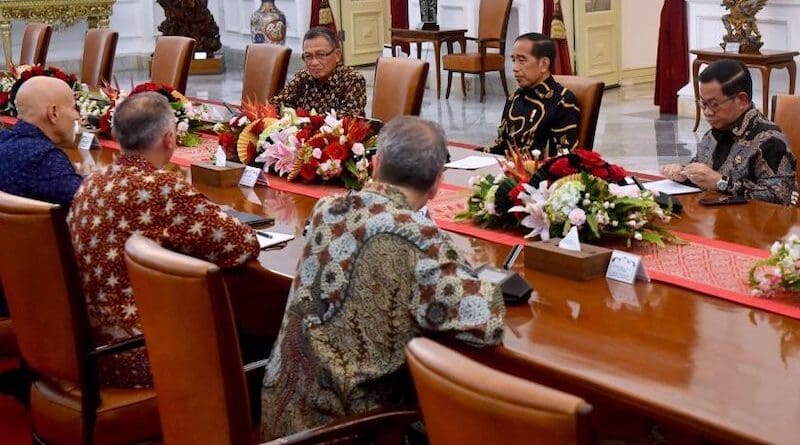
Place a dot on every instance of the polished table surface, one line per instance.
(693, 362)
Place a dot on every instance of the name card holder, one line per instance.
(545, 256)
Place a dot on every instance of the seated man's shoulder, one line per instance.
(349, 73)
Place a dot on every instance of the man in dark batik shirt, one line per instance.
(326, 84)
(743, 153)
(541, 115)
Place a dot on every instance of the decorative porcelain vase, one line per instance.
(268, 24)
(428, 14)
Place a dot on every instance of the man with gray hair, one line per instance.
(374, 273)
(134, 195)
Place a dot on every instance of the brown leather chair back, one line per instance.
(171, 61)
(40, 283)
(464, 402)
(99, 50)
(192, 344)
(265, 69)
(785, 110)
(399, 87)
(35, 44)
(589, 93)
(493, 21)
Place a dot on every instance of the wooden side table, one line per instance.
(765, 61)
(438, 37)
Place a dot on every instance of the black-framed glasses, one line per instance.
(308, 57)
(715, 105)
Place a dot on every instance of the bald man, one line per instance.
(31, 164)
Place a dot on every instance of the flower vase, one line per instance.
(268, 24)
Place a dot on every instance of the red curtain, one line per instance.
(553, 26)
(672, 64)
(400, 19)
(322, 14)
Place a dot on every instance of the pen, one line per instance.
(637, 182)
(264, 234)
(228, 107)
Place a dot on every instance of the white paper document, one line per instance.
(670, 187)
(269, 239)
(472, 163)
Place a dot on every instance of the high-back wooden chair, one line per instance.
(492, 27)
(200, 382)
(589, 94)
(399, 87)
(785, 110)
(171, 61)
(41, 283)
(99, 51)
(35, 44)
(464, 402)
(265, 68)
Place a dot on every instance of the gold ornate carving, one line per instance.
(740, 24)
(59, 13)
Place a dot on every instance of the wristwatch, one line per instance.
(723, 183)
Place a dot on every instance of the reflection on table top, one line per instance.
(690, 360)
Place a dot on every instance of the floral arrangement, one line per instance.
(780, 272)
(18, 74)
(99, 107)
(578, 189)
(302, 145)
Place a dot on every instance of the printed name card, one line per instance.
(250, 176)
(87, 141)
(626, 267)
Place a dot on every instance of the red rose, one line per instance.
(513, 194)
(4, 98)
(227, 139)
(303, 134)
(600, 172)
(147, 87)
(317, 122)
(309, 170)
(318, 142)
(302, 112)
(335, 151)
(616, 173)
(561, 167)
(589, 159)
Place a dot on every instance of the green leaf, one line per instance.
(191, 140)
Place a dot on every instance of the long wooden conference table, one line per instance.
(699, 364)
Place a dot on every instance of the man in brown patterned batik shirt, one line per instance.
(743, 153)
(375, 272)
(326, 84)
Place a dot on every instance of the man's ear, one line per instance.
(52, 113)
(376, 161)
(545, 64)
(435, 189)
(743, 99)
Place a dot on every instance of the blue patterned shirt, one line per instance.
(33, 167)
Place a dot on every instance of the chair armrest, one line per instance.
(474, 39)
(255, 365)
(115, 348)
(384, 421)
(490, 39)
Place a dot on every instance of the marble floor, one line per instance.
(630, 130)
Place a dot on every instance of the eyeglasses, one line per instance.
(715, 105)
(308, 57)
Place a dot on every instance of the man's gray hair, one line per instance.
(141, 120)
(412, 153)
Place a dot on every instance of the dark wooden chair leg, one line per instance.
(503, 81)
(483, 86)
(449, 82)
(463, 85)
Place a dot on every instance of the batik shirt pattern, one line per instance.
(759, 163)
(133, 197)
(373, 275)
(345, 91)
(544, 117)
